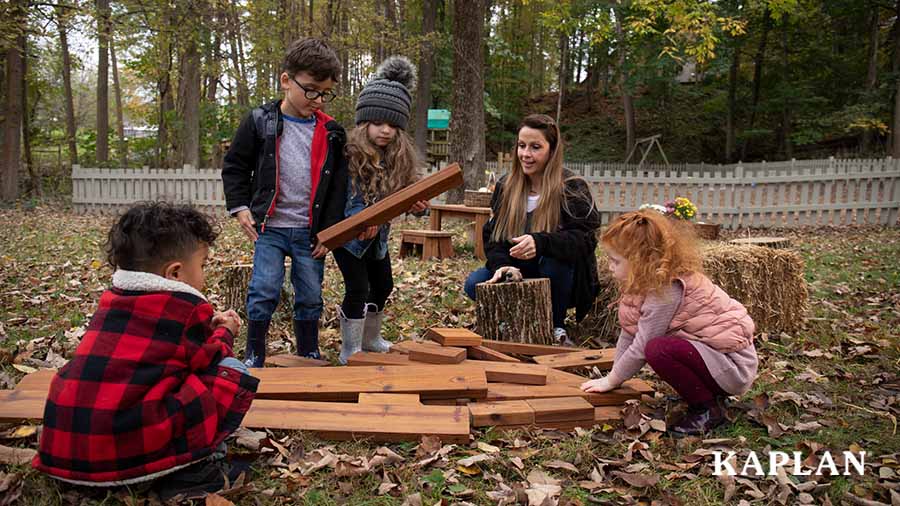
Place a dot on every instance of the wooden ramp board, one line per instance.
(602, 414)
(504, 372)
(288, 360)
(38, 380)
(558, 376)
(16, 405)
(346, 383)
(434, 354)
(453, 337)
(603, 359)
(402, 346)
(485, 353)
(529, 350)
(631, 389)
(486, 414)
(369, 358)
(561, 409)
(392, 206)
(407, 399)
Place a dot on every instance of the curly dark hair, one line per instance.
(151, 234)
(313, 56)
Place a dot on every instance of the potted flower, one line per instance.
(683, 209)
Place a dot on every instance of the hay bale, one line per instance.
(768, 282)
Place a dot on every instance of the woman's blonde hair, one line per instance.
(511, 216)
(400, 157)
(658, 250)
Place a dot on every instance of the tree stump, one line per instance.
(519, 311)
(769, 242)
(237, 281)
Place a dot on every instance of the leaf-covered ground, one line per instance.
(832, 387)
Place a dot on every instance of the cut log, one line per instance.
(235, 282)
(346, 383)
(527, 349)
(561, 409)
(392, 206)
(434, 354)
(769, 242)
(453, 337)
(408, 399)
(631, 389)
(361, 358)
(518, 311)
(486, 414)
(602, 359)
(485, 353)
(288, 360)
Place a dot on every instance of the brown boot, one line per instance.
(701, 419)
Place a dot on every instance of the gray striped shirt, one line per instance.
(294, 183)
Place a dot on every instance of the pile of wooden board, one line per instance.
(441, 387)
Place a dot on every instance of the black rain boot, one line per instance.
(255, 354)
(701, 419)
(306, 332)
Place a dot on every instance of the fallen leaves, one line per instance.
(16, 456)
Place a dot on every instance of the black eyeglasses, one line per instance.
(311, 94)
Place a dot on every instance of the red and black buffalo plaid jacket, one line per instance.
(144, 394)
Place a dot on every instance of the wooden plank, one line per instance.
(486, 414)
(433, 354)
(602, 359)
(603, 414)
(39, 380)
(379, 422)
(289, 360)
(453, 337)
(485, 353)
(392, 206)
(362, 358)
(530, 350)
(406, 399)
(25, 404)
(561, 409)
(505, 372)
(631, 389)
(558, 376)
(345, 383)
(401, 347)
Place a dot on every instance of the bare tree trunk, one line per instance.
(62, 23)
(189, 103)
(787, 146)
(467, 121)
(120, 116)
(34, 178)
(426, 72)
(103, 81)
(732, 104)
(237, 56)
(11, 149)
(865, 140)
(563, 78)
(627, 105)
(895, 144)
(757, 75)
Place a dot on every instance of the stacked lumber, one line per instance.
(441, 387)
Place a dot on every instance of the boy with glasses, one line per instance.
(285, 179)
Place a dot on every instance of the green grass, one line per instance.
(52, 271)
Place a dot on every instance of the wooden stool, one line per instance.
(431, 243)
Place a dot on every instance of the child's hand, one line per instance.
(368, 233)
(599, 385)
(524, 248)
(319, 251)
(228, 319)
(248, 224)
(418, 207)
(514, 273)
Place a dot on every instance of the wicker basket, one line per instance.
(474, 198)
(708, 231)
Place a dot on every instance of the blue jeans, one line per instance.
(561, 275)
(307, 272)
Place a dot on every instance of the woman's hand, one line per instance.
(248, 224)
(599, 385)
(418, 207)
(370, 232)
(514, 274)
(524, 249)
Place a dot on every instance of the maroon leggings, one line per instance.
(679, 364)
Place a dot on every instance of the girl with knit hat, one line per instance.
(382, 159)
(693, 335)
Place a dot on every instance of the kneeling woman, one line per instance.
(543, 226)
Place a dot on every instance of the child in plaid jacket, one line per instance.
(153, 386)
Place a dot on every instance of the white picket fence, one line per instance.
(774, 194)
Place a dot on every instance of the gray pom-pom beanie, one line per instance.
(386, 98)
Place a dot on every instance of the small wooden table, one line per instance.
(480, 215)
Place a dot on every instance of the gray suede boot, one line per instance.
(372, 340)
(351, 335)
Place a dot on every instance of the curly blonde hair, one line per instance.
(400, 157)
(658, 250)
